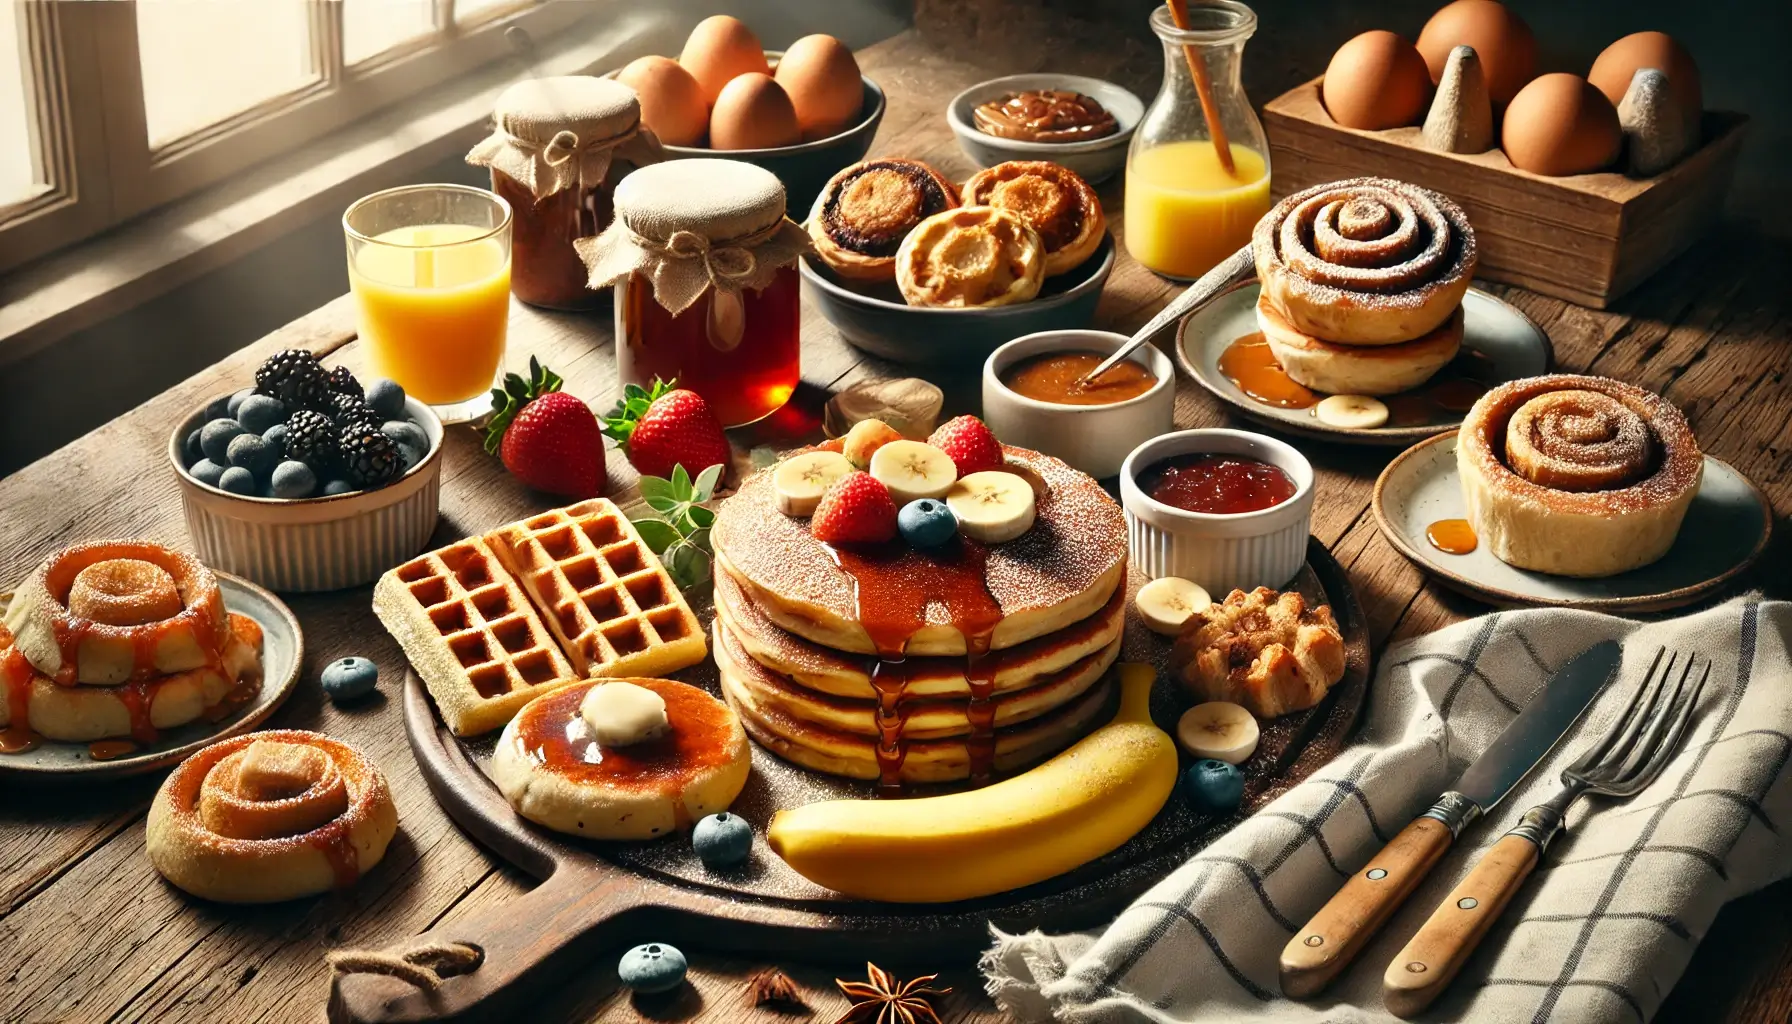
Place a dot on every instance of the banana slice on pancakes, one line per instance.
(991, 506)
(801, 480)
(1166, 603)
(912, 470)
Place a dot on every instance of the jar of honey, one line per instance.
(703, 262)
(557, 150)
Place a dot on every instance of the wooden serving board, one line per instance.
(595, 896)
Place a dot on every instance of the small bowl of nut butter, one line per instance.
(1083, 123)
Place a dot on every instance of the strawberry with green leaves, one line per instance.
(546, 438)
(666, 427)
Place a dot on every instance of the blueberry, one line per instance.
(655, 967)
(219, 409)
(722, 840)
(237, 480)
(349, 678)
(386, 398)
(1213, 787)
(253, 454)
(276, 436)
(259, 412)
(215, 438)
(410, 455)
(206, 472)
(926, 523)
(293, 480)
(406, 433)
(335, 487)
(190, 451)
(235, 402)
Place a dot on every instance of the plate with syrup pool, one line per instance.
(1420, 509)
(1221, 346)
(245, 708)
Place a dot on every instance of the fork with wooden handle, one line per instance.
(1629, 757)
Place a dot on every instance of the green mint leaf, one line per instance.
(658, 533)
(706, 482)
(701, 517)
(656, 487)
(681, 482)
(664, 505)
(698, 539)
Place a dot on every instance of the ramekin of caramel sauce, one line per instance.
(1034, 397)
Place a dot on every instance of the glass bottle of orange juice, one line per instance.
(1187, 205)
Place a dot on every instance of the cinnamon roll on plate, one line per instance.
(1054, 201)
(1577, 476)
(866, 210)
(1358, 369)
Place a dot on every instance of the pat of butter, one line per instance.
(620, 713)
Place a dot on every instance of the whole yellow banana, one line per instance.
(1068, 811)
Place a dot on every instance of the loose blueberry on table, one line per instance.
(1213, 787)
(722, 840)
(349, 678)
(303, 431)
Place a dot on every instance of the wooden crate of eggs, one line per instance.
(1578, 187)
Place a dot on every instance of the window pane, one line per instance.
(205, 60)
(469, 10)
(19, 177)
(371, 27)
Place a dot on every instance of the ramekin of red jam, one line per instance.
(1228, 509)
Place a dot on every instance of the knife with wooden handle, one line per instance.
(1339, 931)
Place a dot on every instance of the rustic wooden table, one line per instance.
(89, 932)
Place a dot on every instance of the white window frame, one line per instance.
(87, 107)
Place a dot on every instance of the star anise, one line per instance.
(884, 1000)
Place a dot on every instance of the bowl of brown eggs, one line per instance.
(802, 113)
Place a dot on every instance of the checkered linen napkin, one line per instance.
(1600, 931)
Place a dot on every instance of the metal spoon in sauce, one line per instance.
(1238, 267)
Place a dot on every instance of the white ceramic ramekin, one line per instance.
(1220, 552)
(1093, 438)
(324, 543)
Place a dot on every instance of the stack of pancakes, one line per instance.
(907, 667)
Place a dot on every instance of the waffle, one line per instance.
(604, 595)
(470, 633)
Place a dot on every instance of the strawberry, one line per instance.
(857, 509)
(970, 444)
(663, 427)
(546, 438)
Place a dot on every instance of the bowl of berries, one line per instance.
(307, 480)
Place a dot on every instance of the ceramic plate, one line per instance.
(282, 652)
(1725, 530)
(1515, 346)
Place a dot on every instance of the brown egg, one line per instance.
(1501, 39)
(1375, 81)
(1614, 68)
(719, 49)
(671, 100)
(1560, 124)
(823, 81)
(753, 112)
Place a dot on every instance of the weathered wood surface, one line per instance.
(89, 932)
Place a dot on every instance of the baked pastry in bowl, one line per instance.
(1264, 650)
(1576, 475)
(1054, 201)
(866, 210)
(622, 758)
(270, 816)
(971, 257)
(1368, 261)
(1358, 369)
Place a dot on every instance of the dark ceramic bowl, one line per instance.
(874, 317)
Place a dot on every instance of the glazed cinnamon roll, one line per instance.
(270, 816)
(867, 209)
(1577, 476)
(1367, 261)
(1054, 201)
(1358, 369)
(970, 257)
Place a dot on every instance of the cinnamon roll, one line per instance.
(270, 816)
(1054, 201)
(1358, 369)
(867, 209)
(973, 256)
(1367, 261)
(1577, 476)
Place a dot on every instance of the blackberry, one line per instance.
(342, 382)
(312, 438)
(371, 458)
(294, 377)
(350, 410)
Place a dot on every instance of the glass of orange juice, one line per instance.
(430, 269)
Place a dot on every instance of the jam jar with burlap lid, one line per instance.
(557, 149)
(703, 261)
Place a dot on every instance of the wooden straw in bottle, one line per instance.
(1204, 89)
